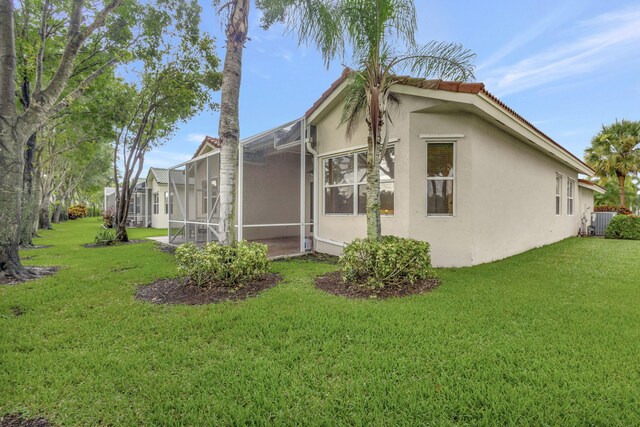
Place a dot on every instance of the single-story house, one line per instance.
(149, 205)
(463, 171)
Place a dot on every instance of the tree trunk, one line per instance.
(11, 149)
(374, 228)
(12, 167)
(122, 211)
(28, 203)
(45, 217)
(229, 127)
(623, 196)
(56, 213)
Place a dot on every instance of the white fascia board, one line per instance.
(327, 102)
(591, 187)
(491, 108)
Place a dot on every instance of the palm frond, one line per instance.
(355, 103)
(442, 60)
(315, 22)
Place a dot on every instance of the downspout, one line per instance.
(316, 215)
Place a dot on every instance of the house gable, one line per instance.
(208, 144)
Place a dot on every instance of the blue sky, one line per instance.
(567, 66)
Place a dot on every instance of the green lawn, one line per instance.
(548, 337)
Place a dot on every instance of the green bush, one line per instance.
(105, 237)
(223, 265)
(623, 227)
(388, 261)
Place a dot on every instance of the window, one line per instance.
(558, 194)
(346, 176)
(156, 202)
(440, 178)
(166, 202)
(570, 190)
(214, 195)
(171, 203)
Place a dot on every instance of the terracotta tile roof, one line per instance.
(326, 93)
(587, 182)
(449, 86)
(207, 140)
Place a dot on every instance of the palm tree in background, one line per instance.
(380, 34)
(615, 152)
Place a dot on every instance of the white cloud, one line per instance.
(165, 159)
(283, 53)
(551, 20)
(195, 137)
(610, 39)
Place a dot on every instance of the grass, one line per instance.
(547, 337)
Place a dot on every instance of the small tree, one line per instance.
(177, 74)
(615, 153)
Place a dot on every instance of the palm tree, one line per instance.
(372, 30)
(615, 152)
(229, 126)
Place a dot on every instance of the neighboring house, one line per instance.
(149, 205)
(464, 172)
(158, 186)
(139, 205)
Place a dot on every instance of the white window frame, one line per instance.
(454, 143)
(156, 203)
(571, 190)
(558, 198)
(355, 184)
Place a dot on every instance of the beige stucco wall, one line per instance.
(159, 220)
(514, 195)
(504, 189)
(585, 203)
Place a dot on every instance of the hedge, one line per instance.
(623, 227)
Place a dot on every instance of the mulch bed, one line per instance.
(181, 291)
(39, 272)
(17, 420)
(332, 283)
(130, 242)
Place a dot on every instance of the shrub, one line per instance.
(77, 211)
(105, 237)
(223, 265)
(388, 261)
(609, 208)
(623, 227)
(108, 216)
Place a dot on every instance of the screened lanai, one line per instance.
(274, 200)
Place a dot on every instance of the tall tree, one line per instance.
(177, 73)
(381, 37)
(236, 30)
(47, 97)
(615, 153)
